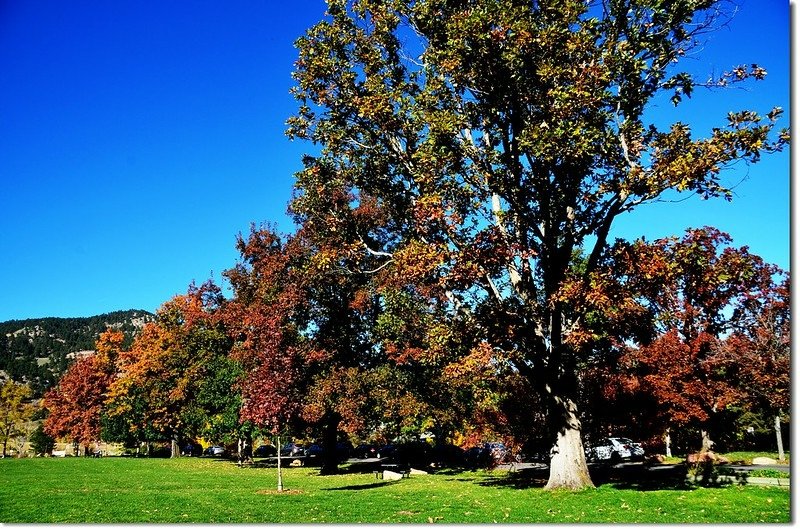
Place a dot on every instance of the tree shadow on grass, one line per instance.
(629, 477)
(366, 486)
(643, 478)
(529, 478)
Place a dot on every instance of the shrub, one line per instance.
(41, 442)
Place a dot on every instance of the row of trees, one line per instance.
(684, 334)
(452, 269)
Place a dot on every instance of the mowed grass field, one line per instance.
(122, 490)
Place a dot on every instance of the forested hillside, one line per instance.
(38, 351)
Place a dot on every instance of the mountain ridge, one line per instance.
(37, 351)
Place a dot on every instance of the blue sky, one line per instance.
(138, 138)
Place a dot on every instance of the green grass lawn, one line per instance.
(747, 457)
(121, 490)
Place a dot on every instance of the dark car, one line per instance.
(365, 451)
(314, 450)
(343, 450)
(265, 451)
(292, 450)
(417, 454)
(487, 455)
(191, 449)
(447, 455)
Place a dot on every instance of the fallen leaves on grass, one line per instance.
(284, 491)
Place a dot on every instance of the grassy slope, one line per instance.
(117, 490)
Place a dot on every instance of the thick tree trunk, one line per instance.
(330, 463)
(668, 443)
(707, 443)
(568, 469)
(778, 436)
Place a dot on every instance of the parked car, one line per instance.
(417, 454)
(214, 450)
(614, 449)
(292, 450)
(366, 451)
(314, 450)
(486, 455)
(265, 451)
(343, 450)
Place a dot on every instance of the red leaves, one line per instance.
(75, 404)
(685, 377)
(261, 321)
(710, 305)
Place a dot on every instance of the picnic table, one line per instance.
(392, 467)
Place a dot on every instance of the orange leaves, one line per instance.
(109, 344)
(478, 364)
(416, 263)
(168, 362)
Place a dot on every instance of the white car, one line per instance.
(615, 449)
(214, 450)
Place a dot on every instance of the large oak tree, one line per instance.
(496, 137)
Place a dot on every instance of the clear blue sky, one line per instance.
(138, 138)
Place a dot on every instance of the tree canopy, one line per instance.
(492, 139)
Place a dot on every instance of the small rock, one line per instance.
(764, 461)
(414, 471)
(390, 475)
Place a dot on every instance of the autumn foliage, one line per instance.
(452, 271)
(701, 299)
(77, 402)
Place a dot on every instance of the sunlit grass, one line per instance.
(119, 490)
(747, 457)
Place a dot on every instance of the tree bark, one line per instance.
(707, 443)
(245, 448)
(668, 443)
(280, 470)
(330, 463)
(568, 469)
(175, 450)
(778, 435)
